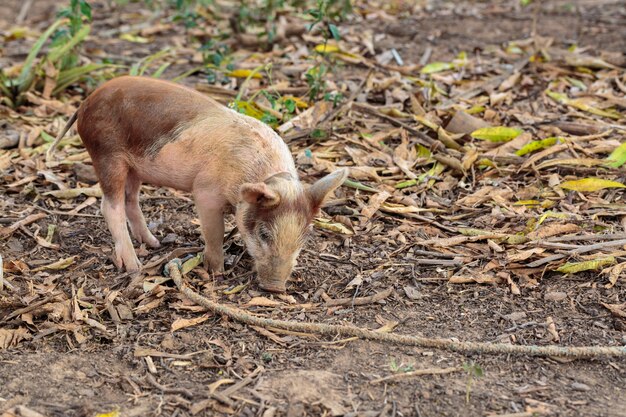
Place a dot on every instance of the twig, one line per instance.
(419, 372)
(613, 236)
(575, 352)
(7, 231)
(486, 86)
(246, 381)
(438, 262)
(23, 12)
(183, 391)
(31, 307)
(423, 138)
(579, 250)
(359, 301)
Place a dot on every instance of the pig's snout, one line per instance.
(273, 276)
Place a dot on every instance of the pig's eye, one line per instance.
(264, 234)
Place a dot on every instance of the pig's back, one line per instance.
(133, 114)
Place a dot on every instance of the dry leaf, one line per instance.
(182, 323)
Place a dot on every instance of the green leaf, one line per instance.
(191, 263)
(159, 71)
(537, 145)
(434, 67)
(406, 184)
(72, 75)
(359, 186)
(591, 185)
(26, 75)
(496, 134)
(617, 157)
(60, 51)
(594, 264)
(334, 31)
(85, 9)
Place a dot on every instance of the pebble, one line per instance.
(579, 386)
(555, 296)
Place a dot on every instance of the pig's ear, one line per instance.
(323, 187)
(259, 194)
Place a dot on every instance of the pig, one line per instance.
(144, 130)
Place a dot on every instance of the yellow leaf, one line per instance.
(536, 145)
(496, 134)
(60, 264)
(333, 226)
(236, 289)
(551, 214)
(326, 48)
(581, 105)
(134, 38)
(244, 73)
(301, 104)
(591, 184)
(573, 267)
(16, 32)
(115, 413)
(247, 108)
(191, 263)
(527, 203)
(434, 67)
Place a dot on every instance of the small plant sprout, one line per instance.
(473, 370)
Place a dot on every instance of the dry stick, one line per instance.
(424, 139)
(358, 301)
(23, 12)
(419, 372)
(612, 236)
(578, 251)
(576, 352)
(7, 231)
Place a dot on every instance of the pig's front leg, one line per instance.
(210, 208)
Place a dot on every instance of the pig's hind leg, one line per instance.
(113, 174)
(137, 222)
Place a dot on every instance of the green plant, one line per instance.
(65, 36)
(186, 11)
(141, 67)
(473, 371)
(322, 18)
(400, 368)
(77, 12)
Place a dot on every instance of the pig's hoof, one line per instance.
(129, 263)
(276, 288)
(153, 242)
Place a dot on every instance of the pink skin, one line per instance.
(140, 130)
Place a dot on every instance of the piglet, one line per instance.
(143, 130)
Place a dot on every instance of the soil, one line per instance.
(70, 371)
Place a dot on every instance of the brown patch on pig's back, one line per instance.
(137, 116)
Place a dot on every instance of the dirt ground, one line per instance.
(135, 363)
